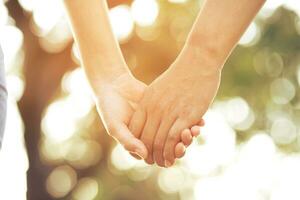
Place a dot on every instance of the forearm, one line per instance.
(101, 55)
(219, 26)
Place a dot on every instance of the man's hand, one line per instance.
(175, 101)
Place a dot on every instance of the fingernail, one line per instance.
(168, 163)
(137, 156)
(139, 153)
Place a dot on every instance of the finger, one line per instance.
(137, 122)
(135, 156)
(180, 150)
(148, 135)
(160, 140)
(186, 137)
(122, 134)
(195, 130)
(187, 134)
(174, 137)
(202, 122)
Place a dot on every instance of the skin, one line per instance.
(116, 91)
(166, 108)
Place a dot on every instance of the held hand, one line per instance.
(175, 101)
(115, 101)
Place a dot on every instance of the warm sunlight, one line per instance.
(56, 146)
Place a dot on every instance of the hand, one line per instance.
(116, 100)
(175, 101)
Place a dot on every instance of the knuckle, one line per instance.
(185, 113)
(150, 109)
(173, 137)
(194, 116)
(159, 107)
(153, 108)
(169, 110)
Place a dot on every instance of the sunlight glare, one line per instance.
(282, 91)
(121, 22)
(218, 148)
(15, 86)
(237, 111)
(60, 181)
(46, 14)
(144, 12)
(57, 124)
(11, 40)
(83, 153)
(86, 189)
(3, 15)
(251, 35)
(178, 1)
(121, 159)
(176, 175)
(283, 131)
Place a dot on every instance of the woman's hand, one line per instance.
(115, 101)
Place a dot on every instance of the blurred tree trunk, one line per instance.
(42, 73)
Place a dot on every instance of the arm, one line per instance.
(115, 89)
(101, 55)
(218, 28)
(179, 98)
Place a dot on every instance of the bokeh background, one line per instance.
(55, 146)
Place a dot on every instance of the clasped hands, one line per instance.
(157, 122)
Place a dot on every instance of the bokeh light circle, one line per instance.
(60, 181)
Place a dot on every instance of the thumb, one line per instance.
(129, 142)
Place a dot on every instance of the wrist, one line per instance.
(201, 59)
(103, 69)
(102, 77)
(211, 50)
